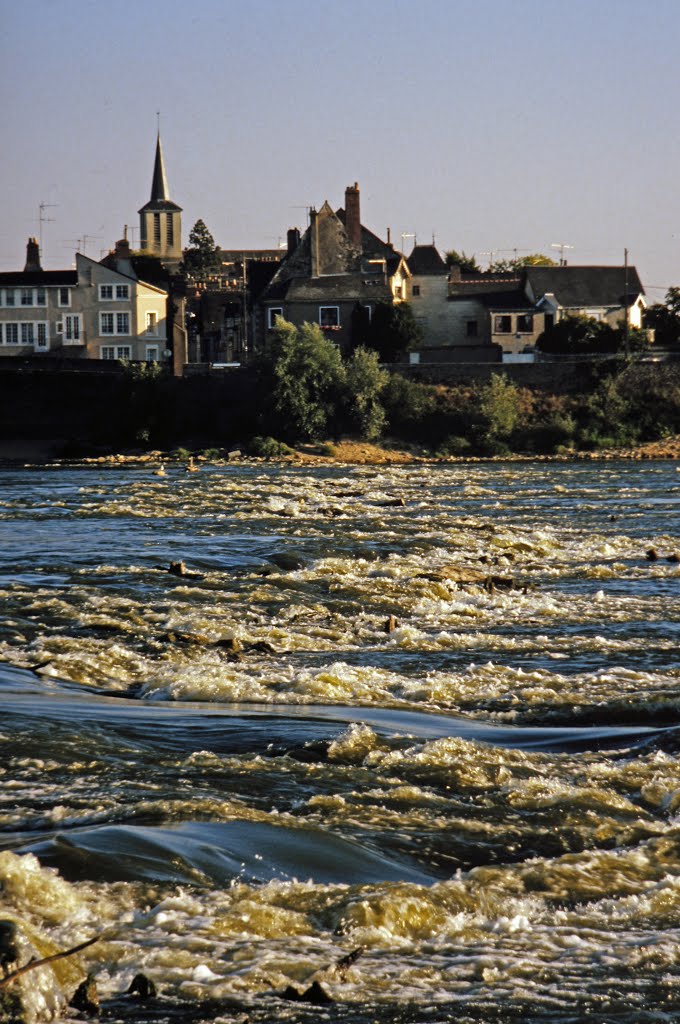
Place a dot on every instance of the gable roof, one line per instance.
(584, 287)
(426, 260)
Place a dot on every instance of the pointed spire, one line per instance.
(159, 185)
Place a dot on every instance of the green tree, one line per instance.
(393, 331)
(664, 319)
(309, 379)
(460, 259)
(533, 259)
(365, 382)
(579, 335)
(500, 406)
(202, 255)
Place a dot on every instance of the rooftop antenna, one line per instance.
(42, 219)
(82, 242)
(307, 208)
(561, 246)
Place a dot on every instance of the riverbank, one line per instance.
(349, 452)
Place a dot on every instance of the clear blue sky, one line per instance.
(495, 124)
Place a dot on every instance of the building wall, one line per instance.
(39, 321)
(166, 248)
(428, 295)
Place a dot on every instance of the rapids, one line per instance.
(241, 774)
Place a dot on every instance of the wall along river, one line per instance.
(484, 801)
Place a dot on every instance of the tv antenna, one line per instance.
(82, 242)
(42, 219)
(561, 246)
(306, 208)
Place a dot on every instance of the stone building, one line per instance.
(337, 270)
(160, 220)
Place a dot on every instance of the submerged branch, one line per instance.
(13, 975)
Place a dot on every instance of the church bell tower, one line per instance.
(160, 220)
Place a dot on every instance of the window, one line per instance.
(152, 323)
(471, 329)
(122, 291)
(9, 296)
(502, 325)
(416, 289)
(11, 334)
(27, 334)
(115, 351)
(152, 353)
(105, 292)
(40, 297)
(157, 228)
(169, 229)
(272, 314)
(42, 338)
(114, 323)
(71, 329)
(525, 323)
(329, 318)
(64, 296)
(26, 296)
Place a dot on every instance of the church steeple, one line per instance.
(159, 185)
(160, 219)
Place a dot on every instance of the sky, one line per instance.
(490, 126)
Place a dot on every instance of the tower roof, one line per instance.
(159, 185)
(160, 199)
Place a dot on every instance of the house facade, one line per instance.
(337, 271)
(510, 310)
(38, 308)
(96, 311)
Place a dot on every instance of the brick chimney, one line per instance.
(314, 242)
(293, 240)
(32, 255)
(353, 214)
(122, 250)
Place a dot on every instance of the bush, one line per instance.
(365, 382)
(268, 448)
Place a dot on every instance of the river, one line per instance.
(320, 741)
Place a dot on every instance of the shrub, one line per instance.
(365, 382)
(268, 448)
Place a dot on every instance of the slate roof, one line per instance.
(425, 260)
(160, 200)
(330, 287)
(34, 278)
(480, 285)
(584, 287)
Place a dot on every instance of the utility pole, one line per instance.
(490, 255)
(625, 299)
